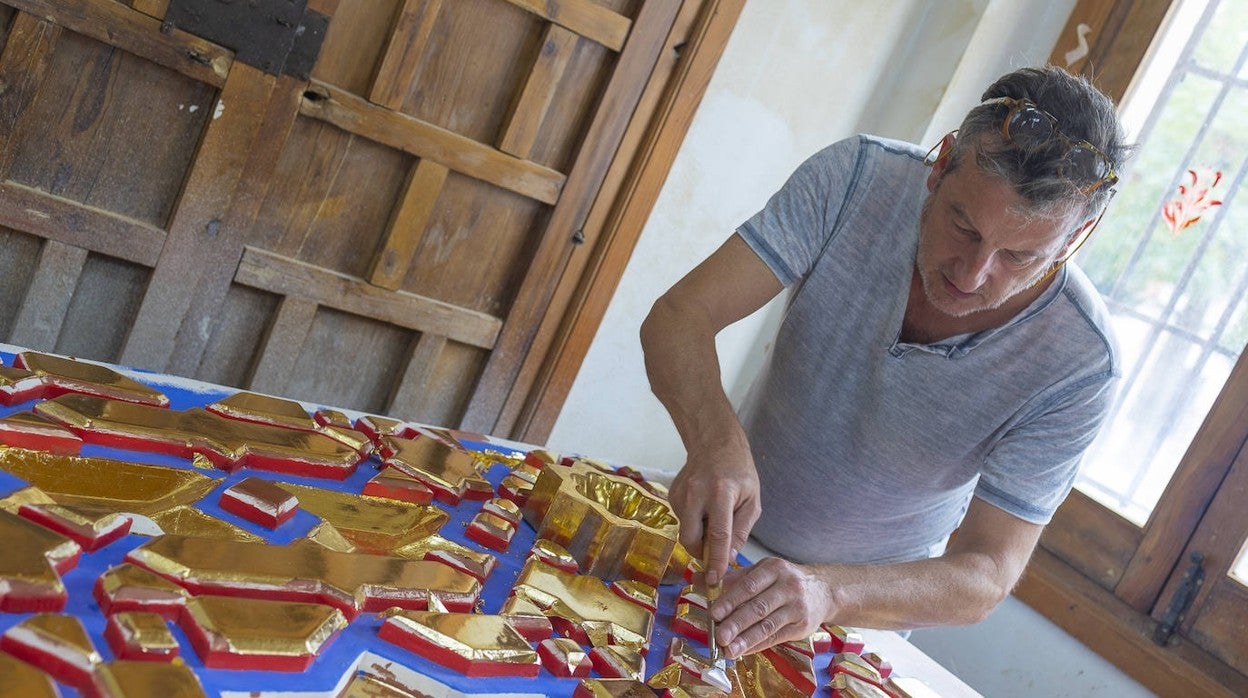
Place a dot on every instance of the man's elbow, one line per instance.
(663, 315)
(987, 599)
(988, 584)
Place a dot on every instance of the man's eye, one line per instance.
(1019, 259)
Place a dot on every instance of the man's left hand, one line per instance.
(770, 602)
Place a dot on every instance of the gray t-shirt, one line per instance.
(869, 449)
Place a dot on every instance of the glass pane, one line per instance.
(1176, 292)
(1240, 569)
(1157, 415)
(1220, 46)
(1133, 220)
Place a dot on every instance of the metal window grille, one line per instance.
(1174, 365)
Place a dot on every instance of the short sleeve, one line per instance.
(798, 221)
(1032, 468)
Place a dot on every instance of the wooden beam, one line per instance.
(400, 63)
(281, 348)
(584, 17)
(39, 213)
(115, 24)
(290, 277)
(602, 139)
(218, 263)
(407, 224)
(529, 110)
(195, 228)
(1121, 635)
(691, 52)
(39, 320)
(459, 153)
(1092, 539)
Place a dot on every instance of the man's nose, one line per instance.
(976, 269)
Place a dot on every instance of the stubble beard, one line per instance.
(932, 278)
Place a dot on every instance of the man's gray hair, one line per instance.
(1083, 113)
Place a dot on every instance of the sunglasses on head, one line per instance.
(1029, 127)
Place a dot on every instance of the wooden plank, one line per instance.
(23, 65)
(350, 361)
(19, 256)
(93, 229)
(1192, 487)
(407, 224)
(238, 337)
(283, 345)
(355, 43)
(1121, 635)
(476, 246)
(361, 117)
(1091, 538)
(691, 52)
(152, 8)
(196, 226)
(1084, 28)
(526, 116)
(1115, 39)
(117, 25)
(584, 17)
(1222, 624)
(404, 51)
(1220, 537)
(601, 141)
(409, 393)
(106, 298)
(290, 277)
(98, 114)
(47, 299)
(217, 267)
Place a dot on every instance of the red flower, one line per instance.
(1192, 201)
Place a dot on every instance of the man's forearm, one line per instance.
(957, 589)
(683, 368)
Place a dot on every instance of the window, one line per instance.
(1160, 497)
(1170, 257)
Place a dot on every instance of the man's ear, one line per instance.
(941, 162)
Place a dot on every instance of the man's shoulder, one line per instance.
(891, 147)
(1086, 321)
(865, 147)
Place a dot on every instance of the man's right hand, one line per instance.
(715, 495)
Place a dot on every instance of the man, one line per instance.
(938, 367)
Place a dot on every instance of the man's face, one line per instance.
(977, 249)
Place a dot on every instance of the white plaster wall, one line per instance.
(795, 76)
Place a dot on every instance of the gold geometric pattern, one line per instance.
(350, 582)
(609, 524)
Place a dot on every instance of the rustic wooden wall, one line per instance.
(385, 235)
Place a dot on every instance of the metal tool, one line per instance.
(717, 675)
